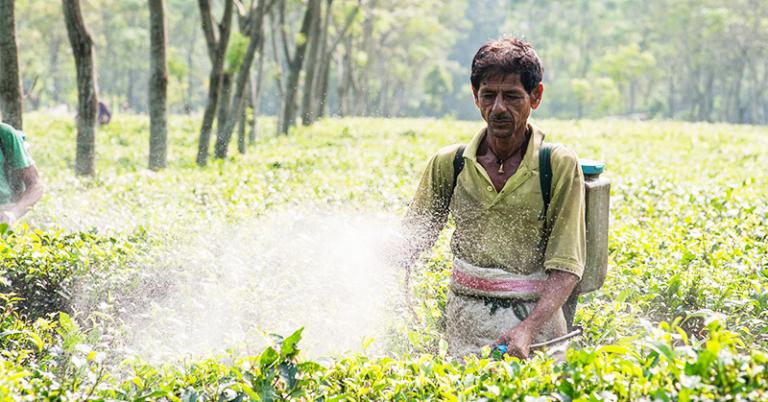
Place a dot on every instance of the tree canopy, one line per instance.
(693, 60)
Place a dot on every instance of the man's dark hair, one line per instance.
(505, 56)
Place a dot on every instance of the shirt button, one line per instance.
(489, 188)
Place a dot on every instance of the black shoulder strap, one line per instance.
(545, 174)
(545, 181)
(458, 165)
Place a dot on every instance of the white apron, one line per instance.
(483, 303)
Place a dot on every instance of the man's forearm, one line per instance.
(31, 195)
(27, 200)
(556, 290)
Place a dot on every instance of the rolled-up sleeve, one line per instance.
(12, 142)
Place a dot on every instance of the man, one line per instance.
(515, 264)
(104, 115)
(20, 184)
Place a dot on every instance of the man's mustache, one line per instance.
(501, 119)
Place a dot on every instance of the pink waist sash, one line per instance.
(471, 280)
(497, 285)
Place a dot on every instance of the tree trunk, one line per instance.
(53, 67)
(243, 122)
(238, 103)
(294, 72)
(214, 80)
(345, 81)
(705, 110)
(225, 105)
(322, 88)
(129, 90)
(276, 54)
(315, 104)
(362, 90)
(208, 24)
(10, 82)
(158, 86)
(734, 104)
(82, 49)
(191, 79)
(255, 93)
(324, 70)
(307, 114)
(671, 98)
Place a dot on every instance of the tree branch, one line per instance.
(283, 37)
(347, 24)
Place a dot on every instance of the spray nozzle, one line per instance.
(498, 351)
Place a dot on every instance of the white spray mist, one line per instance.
(227, 287)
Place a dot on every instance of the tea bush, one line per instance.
(42, 268)
(682, 315)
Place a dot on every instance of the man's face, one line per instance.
(505, 105)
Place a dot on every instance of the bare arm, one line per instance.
(557, 288)
(427, 214)
(421, 228)
(32, 193)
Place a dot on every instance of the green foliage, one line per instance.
(438, 84)
(43, 267)
(625, 63)
(697, 60)
(238, 45)
(177, 68)
(601, 95)
(666, 365)
(676, 59)
(682, 315)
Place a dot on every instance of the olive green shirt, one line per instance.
(13, 156)
(503, 229)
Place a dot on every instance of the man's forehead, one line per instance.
(501, 82)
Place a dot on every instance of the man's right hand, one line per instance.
(517, 340)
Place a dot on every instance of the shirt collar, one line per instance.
(531, 158)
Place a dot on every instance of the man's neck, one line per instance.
(506, 147)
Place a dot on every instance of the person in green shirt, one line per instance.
(20, 184)
(514, 263)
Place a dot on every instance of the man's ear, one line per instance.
(536, 95)
(474, 94)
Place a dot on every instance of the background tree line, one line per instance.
(301, 60)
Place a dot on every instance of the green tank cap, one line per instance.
(591, 167)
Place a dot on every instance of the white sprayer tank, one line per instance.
(597, 193)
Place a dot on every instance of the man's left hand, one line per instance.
(518, 341)
(7, 217)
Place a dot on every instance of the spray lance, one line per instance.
(498, 351)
